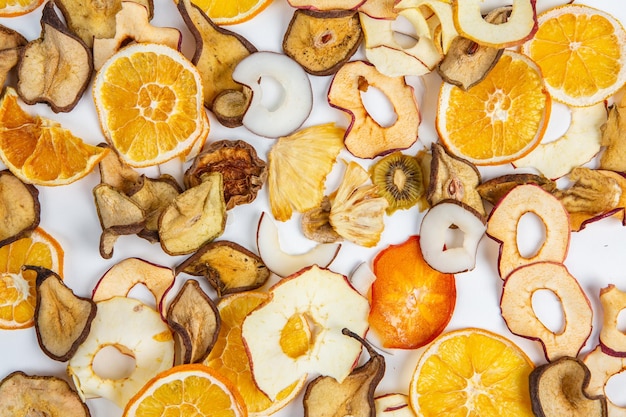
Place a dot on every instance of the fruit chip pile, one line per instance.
(312, 207)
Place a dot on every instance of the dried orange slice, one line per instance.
(150, 104)
(17, 286)
(40, 151)
(498, 120)
(229, 12)
(229, 356)
(471, 372)
(411, 303)
(192, 390)
(11, 8)
(581, 52)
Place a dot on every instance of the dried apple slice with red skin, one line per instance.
(393, 405)
(364, 137)
(521, 25)
(123, 276)
(612, 339)
(517, 309)
(602, 368)
(505, 216)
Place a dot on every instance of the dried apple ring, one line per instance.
(134, 329)
(603, 367)
(365, 138)
(504, 219)
(517, 309)
(612, 339)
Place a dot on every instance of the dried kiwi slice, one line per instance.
(400, 181)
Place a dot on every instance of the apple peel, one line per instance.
(521, 319)
(329, 303)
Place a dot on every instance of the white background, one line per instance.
(595, 255)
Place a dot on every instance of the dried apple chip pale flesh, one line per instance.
(612, 339)
(603, 367)
(365, 137)
(329, 304)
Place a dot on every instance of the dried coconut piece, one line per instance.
(11, 43)
(195, 320)
(62, 319)
(243, 172)
(19, 208)
(227, 266)
(35, 395)
(56, 68)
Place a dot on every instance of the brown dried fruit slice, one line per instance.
(520, 317)
(21, 394)
(154, 195)
(90, 20)
(114, 171)
(62, 319)
(316, 224)
(354, 396)
(195, 217)
(326, 4)
(19, 208)
(365, 138)
(228, 266)
(614, 156)
(11, 43)
(243, 172)
(559, 389)
(217, 53)
(132, 23)
(56, 68)
(612, 339)
(194, 318)
(322, 41)
(229, 106)
(494, 189)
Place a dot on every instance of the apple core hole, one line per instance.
(559, 122)
(142, 293)
(621, 321)
(110, 362)
(531, 235)
(273, 93)
(378, 106)
(454, 237)
(614, 389)
(404, 32)
(549, 310)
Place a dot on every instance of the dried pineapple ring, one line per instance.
(329, 304)
(135, 329)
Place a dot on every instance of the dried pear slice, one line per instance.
(56, 68)
(62, 319)
(613, 131)
(321, 42)
(35, 395)
(115, 172)
(19, 208)
(94, 19)
(243, 172)
(399, 180)
(494, 189)
(195, 217)
(316, 224)
(354, 396)
(229, 106)
(453, 178)
(228, 266)
(11, 43)
(559, 389)
(195, 320)
(218, 51)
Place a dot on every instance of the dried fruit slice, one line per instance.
(227, 12)
(365, 137)
(559, 388)
(495, 189)
(17, 287)
(150, 104)
(581, 52)
(520, 317)
(20, 211)
(118, 174)
(21, 394)
(411, 302)
(62, 319)
(227, 266)
(229, 356)
(186, 389)
(11, 43)
(353, 396)
(500, 119)
(194, 318)
(603, 367)
(230, 105)
(328, 304)
(393, 405)
(309, 154)
(471, 371)
(152, 197)
(135, 330)
(613, 157)
(326, 5)
(322, 41)
(612, 339)
(17, 8)
(40, 151)
(72, 59)
(399, 180)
